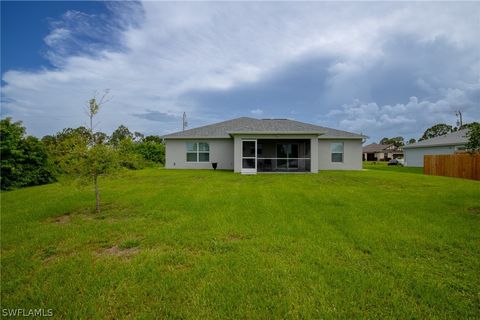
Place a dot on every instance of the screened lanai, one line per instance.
(272, 155)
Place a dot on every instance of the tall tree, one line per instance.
(473, 135)
(436, 131)
(69, 132)
(384, 140)
(119, 134)
(469, 125)
(396, 141)
(24, 159)
(138, 137)
(156, 139)
(100, 137)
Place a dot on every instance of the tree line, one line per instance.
(28, 161)
(432, 132)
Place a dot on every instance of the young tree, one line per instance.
(412, 140)
(99, 158)
(88, 157)
(436, 131)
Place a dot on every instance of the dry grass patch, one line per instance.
(236, 238)
(117, 251)
(63, 219)
(474, 210)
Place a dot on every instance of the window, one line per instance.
(198, 152)
(285, 153)
(259, 150)
(337, 151)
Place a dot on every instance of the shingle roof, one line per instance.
(453, 138)
(375, 147)
(250, 125)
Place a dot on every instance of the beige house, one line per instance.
(381, 152)
(249, 146)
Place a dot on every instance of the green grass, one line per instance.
(217, 245)
(383, 165)
(129, 244)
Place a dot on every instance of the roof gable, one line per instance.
(247, 125)
(453, 138)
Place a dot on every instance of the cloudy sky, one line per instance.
(381, 69)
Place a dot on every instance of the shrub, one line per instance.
(24, 159)
(152, 151)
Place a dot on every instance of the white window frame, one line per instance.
(197, 151)
(342, 153)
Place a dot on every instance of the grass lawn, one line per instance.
(383, 165)
(218, 245)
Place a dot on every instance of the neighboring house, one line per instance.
(446, 144)
(381, 152)
(250, 145)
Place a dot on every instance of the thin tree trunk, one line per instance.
(91, 124)
(97, 194)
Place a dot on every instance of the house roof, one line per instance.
(245, 125)
(450, 139)
(376, 147)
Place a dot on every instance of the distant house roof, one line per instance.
(247, 125)
(376, 147)
(450, 139)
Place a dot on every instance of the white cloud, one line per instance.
(408, 119)
(56, 36)
(257, 112)
(171, 49)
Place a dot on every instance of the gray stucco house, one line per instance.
(446, 144)
(249, 145)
